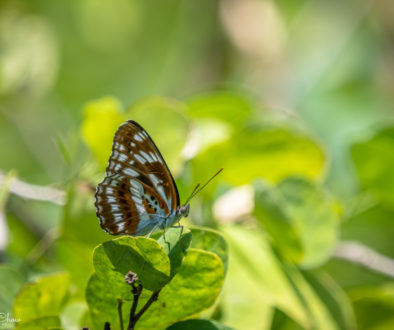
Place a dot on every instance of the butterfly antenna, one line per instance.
(196, 190)
(192, 194)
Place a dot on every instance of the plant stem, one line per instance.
(135, 317)
(133, 309)
(120, 313)
(152, 299)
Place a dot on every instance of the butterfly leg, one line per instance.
(180, 235)
(165, 241)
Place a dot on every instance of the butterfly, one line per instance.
(138, 194)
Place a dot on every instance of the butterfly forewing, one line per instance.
(138, 190)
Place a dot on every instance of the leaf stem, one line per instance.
(135, 317)
(136, 292)
(152, 299)
(120, 313)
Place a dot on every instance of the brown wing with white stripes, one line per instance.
(138, 190)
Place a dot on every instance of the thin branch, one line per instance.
(32, 191)
(135, 317)
(120, 302)
(365, 256)
(136, 292)
(152, 299)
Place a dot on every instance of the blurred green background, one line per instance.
(293, 98)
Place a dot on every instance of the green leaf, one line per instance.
(87, 321)
(103, 297)
(270, 212)
(315, 218)
(143, 256)
(175, 246)
(319, 316)
(380, 300)
(44, 297)
(73, 313)
(161, 117)
(194, 288)
(373, 227)
(334, 298)
(349, 275)
(42, 323)
(166, 122)
(374, 161)
(256, 283)
(228, 106)
(300, 218)
(259, 281)
(10, 283)
(102, 118)
(198, 325)
(210, 132)
(210, 240)
(270, 153)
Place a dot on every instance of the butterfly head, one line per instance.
(183, 210)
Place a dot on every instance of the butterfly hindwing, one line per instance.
(138, 191)
(114, 206)
(125, 205)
